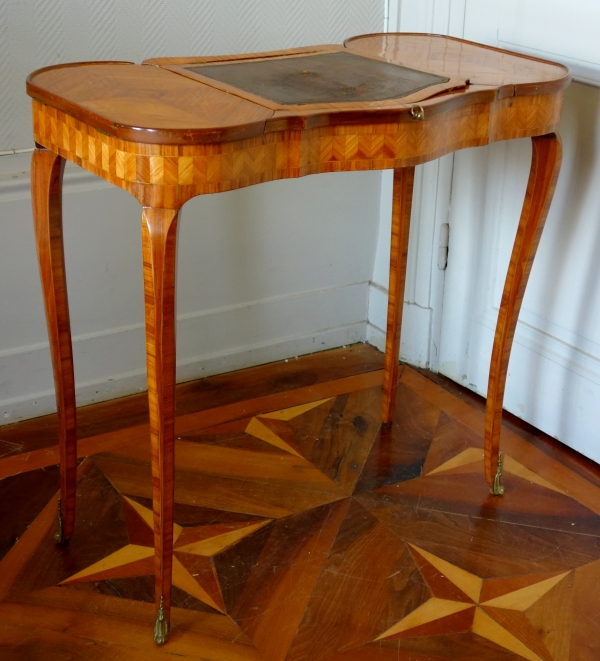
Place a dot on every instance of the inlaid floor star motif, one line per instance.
(311, 533)
(491, 608)
(194, 550)
(470, 461)
(272, 428)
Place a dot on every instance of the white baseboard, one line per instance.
(548, 379)
(209, 342)
(311, 309)
(376, 337)
(565, 348)
(416, 327)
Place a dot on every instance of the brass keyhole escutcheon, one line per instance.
(417, 113)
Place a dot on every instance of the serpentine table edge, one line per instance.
(166, 134)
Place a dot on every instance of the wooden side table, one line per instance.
(175, 128)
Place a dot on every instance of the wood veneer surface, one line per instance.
(149, 104)
(308, 531)
(123, 123)
(482, 65)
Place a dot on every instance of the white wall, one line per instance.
(265, 273)
(424, 279)
(554, 372)
(37, 33)
(431, 201)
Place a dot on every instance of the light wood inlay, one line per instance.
(487, 628)
(434, 609)
(467, 582)
(289, 414)
(148, 517)
(166, 134)
(521, 600)
(470, 460)
(499, 587)
(514, 467)
(468, 456)
(183, 579)
(257, 428)
(214, 545)
(335, 572)
(127, 555)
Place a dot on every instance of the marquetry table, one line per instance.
(174, 128)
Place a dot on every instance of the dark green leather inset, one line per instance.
(321, 78)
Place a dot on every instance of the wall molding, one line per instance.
(416, 327)
(548, 345)
(15, 180)
(189, 316)
(257, 332)
(129, 383)
(551, 384)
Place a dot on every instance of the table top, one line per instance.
(374, 78)
(321, 77)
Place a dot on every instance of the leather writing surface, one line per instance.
(321, 78)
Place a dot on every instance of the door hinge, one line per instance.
(443, 249)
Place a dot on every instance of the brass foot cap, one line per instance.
(60, 536)
(161, 626)
(498, 488)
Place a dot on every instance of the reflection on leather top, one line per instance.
(321, 78)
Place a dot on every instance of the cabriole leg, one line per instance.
(46, 191)
(159, 234)
(545, 165)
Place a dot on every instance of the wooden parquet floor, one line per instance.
(304, 531)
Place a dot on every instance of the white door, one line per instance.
(554, 372)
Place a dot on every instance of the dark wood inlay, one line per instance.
(299, 563)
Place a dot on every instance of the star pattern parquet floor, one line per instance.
(306, 532)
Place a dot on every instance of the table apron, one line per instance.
(167, 176)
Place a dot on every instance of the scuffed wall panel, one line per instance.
(37, 33)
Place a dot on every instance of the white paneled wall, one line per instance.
(424, 280)
(265, 273)
(554, 373)
(564, 30)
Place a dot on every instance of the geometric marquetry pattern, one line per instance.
(469, 461)
(310, 533)
(463, 602)
(194, 551)
(209, 168)
(271, 427)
